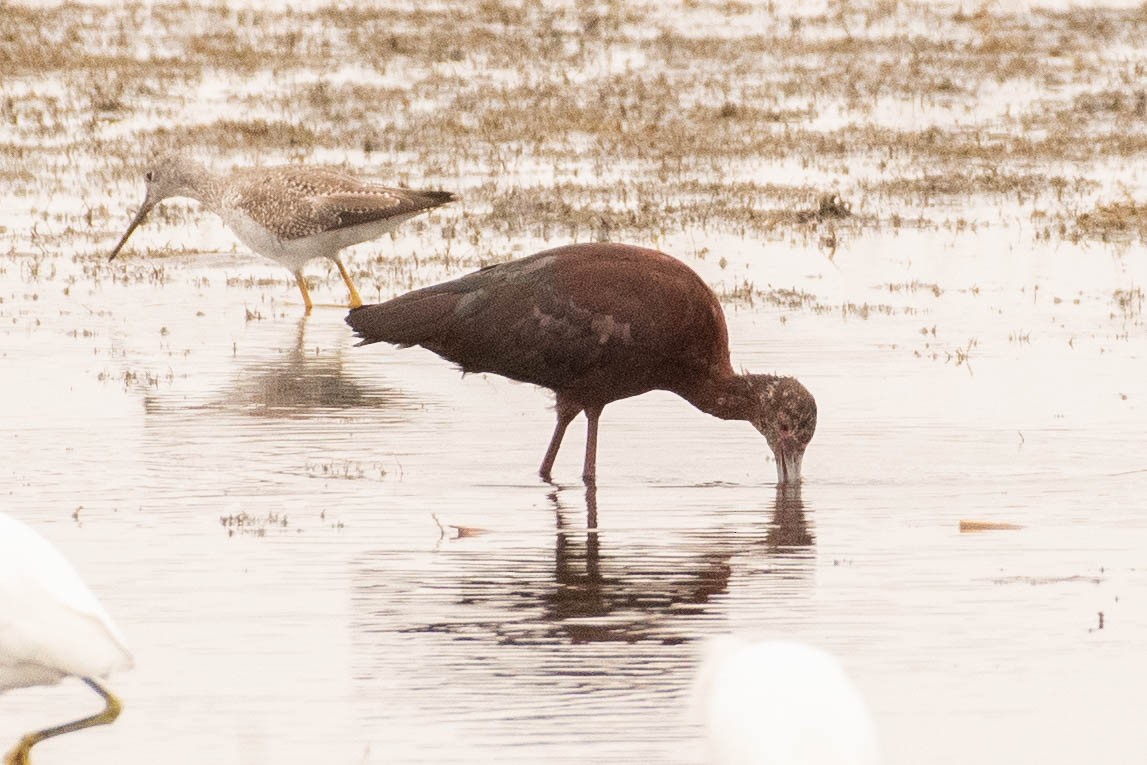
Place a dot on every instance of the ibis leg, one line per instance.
(302, 282)
(355, 300)
(589, 471)
(19, 755)
(566, 412)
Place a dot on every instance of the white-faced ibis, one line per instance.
(596, 323)
(51, 627)
(782, 702)
(288, 213)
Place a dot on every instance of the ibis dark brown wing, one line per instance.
(597, 320)
(503, 319)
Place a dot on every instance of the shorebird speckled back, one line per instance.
(289, 213)
(596, 323)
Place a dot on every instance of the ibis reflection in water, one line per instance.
(596, 323)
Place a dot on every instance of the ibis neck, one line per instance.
(729, 396)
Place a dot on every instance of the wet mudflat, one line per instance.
(327, 553)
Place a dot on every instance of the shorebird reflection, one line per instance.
(308, 378)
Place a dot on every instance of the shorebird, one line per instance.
(51, 627)
(289, 213)
(596, 323)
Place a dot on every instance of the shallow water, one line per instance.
(322, 553)
(341, 624)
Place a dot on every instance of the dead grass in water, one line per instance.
(1118, 221)
(615, 120)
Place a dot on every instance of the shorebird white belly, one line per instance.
(294, 253)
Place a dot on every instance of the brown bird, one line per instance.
(596, 323)
(289, 213)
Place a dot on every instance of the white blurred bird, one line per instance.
(51, 627)
(781, 702)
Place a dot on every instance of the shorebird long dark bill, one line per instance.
(144, 209)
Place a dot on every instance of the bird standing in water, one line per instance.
(51, 627)
(596, 323)
(288, 213)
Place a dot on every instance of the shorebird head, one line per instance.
(168, 176)
(786, 417)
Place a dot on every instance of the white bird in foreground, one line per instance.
(782, 702)
(51, 627)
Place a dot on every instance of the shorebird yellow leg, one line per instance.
(355, 300)
(20, 755)
(302, 282)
